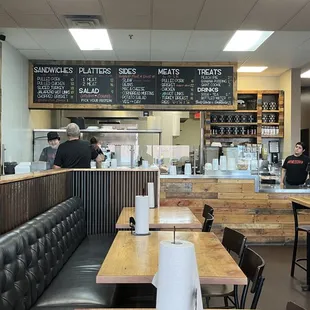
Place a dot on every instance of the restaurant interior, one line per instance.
(196, 107)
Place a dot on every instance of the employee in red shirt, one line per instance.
(294, 169)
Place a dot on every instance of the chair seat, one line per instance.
(305, 228)
(209, 290)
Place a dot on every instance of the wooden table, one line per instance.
(305, 203)
(134, 259)
(163, 218)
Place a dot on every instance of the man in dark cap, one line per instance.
(49, 153)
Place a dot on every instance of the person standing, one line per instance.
(49, 153)
(294, 169)
(75, 153)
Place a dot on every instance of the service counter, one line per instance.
(262, 213)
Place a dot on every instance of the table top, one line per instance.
(163, 217)
(134, 259)
(302, 201)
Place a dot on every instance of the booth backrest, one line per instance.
(33, 254)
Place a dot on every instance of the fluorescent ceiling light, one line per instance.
(92, 39)
(247, 40)
(305, 75)
(252, 69)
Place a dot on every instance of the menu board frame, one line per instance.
(138, 107)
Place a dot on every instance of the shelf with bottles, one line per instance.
(233, 136)
(270, 131)
(234, 130)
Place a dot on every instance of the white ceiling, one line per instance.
(163, 30)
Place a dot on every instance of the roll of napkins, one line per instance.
(177, 279)
(142, 215)
(150, 193)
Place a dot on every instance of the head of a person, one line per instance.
(95, 143)
(73, 131)
(53, 139)
(299, 148)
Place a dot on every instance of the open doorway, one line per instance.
(304, 135)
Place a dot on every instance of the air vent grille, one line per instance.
(84, 21)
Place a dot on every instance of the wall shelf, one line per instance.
(233, 124)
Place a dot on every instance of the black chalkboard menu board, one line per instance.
(214, 86)
(96, 85)
(175, 85)
(54, 84)
(127, 87)
(136, 85)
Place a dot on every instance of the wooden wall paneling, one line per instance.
(22, 200)
(262, 217)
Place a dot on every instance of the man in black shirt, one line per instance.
(294, 169)
(75, 153)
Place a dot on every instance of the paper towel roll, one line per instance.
(150, 193)
(223, 163)
(215, 164)
(142, 215)
(177, 280)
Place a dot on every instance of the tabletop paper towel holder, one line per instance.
(132, 225)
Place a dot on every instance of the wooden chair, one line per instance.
(234, 242)
(207, 214)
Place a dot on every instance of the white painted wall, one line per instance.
(15, 124)
(250, 82)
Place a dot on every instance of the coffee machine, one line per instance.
(274, 151)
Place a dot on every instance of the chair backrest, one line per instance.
(207, 225)
(297, 207)
(234, 241)
(207, 210)
(292, 306)
(252, 265)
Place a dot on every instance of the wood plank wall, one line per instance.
(262, 217)
(22, 200)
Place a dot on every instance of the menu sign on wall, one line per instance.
(176, 85)
(96, 85)
(126, 87)
(55, 84)
(214, 86)
(136, 85)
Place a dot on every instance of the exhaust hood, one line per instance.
(106, 115)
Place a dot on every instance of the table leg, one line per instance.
(307, 286)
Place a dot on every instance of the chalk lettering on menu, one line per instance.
(176, 85)
(54, 84)
(214, 86)
(96, 85)
(136, 85)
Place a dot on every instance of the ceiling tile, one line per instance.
(140, 39)
(100, 55)
(202, 41)
(26, 7)
(76, 7)
(2, 11)
(233, 56)
(133, 14)
(36, 54)
(53, 38)
(19, 38)
(272, 15)
(214, 17)
(300, 22)
(7, 21)
(178, 40)
(37, 21)
(124, 55)
(176, 14)
(166, 56)
(66, 54)
(208, 56)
